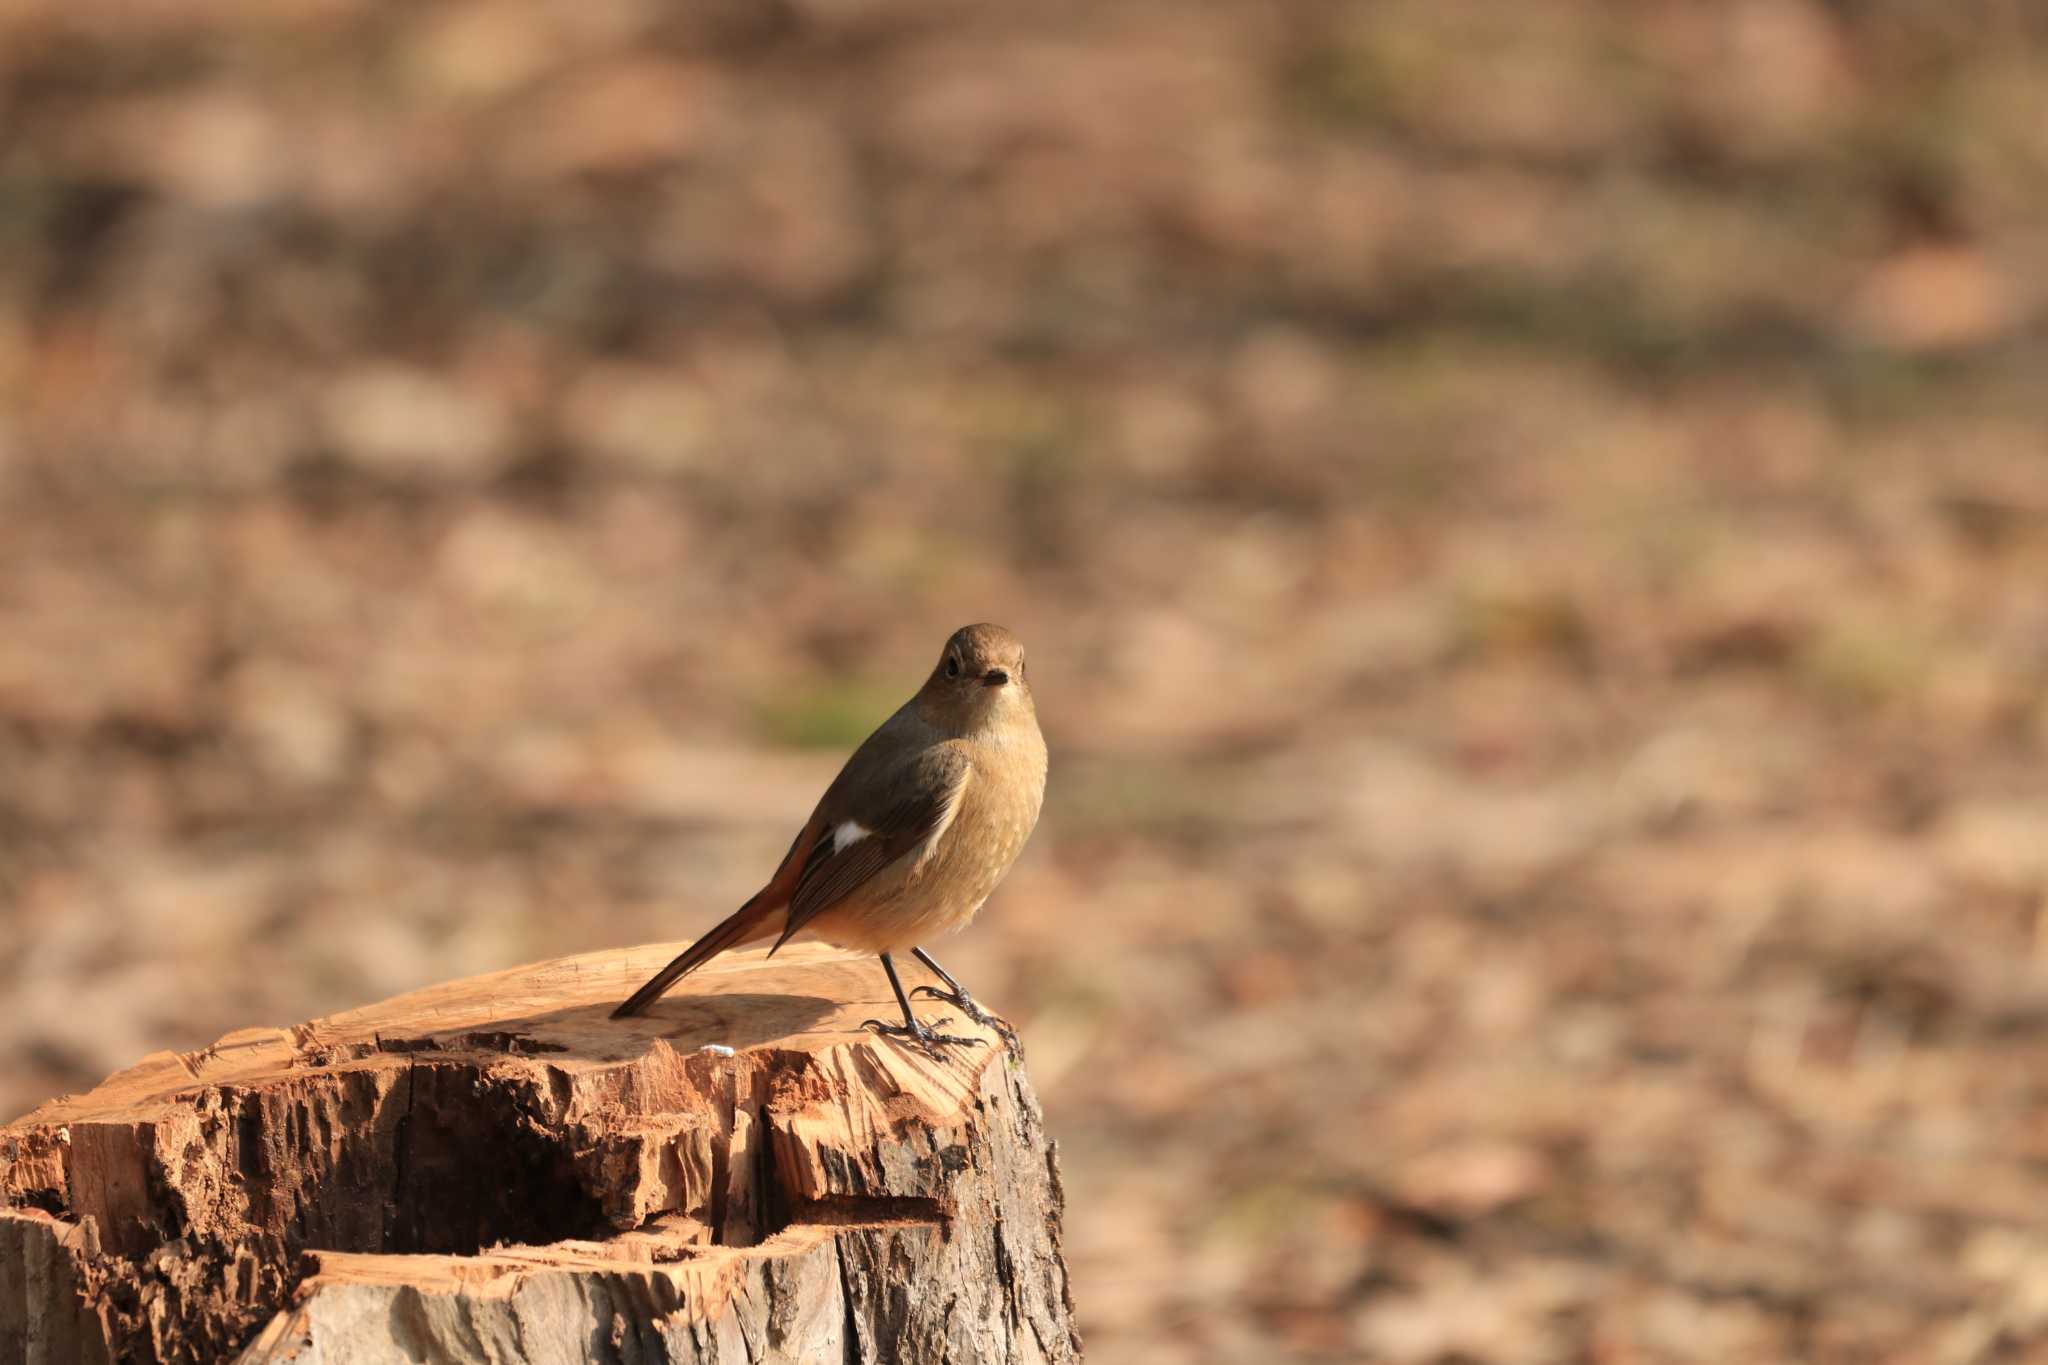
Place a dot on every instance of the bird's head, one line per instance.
(978, 682)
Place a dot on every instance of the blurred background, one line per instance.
(1531, 523)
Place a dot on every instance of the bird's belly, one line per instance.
(906, 906)
(886, 926)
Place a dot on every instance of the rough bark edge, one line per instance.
(45, 1316)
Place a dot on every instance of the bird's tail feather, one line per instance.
(743, 925)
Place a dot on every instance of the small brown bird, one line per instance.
(913, 834)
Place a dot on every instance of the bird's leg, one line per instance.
(956, 995)
(925, 1036)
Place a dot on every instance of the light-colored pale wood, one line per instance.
(494, 1169)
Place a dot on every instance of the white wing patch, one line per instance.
(849, 832)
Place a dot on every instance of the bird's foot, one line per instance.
(965, 1003)
(923, 1034)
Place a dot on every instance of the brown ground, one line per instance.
(1532, 522)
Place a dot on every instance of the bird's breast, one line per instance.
(921, 900)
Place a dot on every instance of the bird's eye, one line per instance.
(952, 666)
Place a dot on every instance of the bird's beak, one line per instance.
(995, 677)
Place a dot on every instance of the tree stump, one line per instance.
(493, 1170)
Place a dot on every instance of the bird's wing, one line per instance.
(871, 824)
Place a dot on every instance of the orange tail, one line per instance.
(751, 921)
(754, 920)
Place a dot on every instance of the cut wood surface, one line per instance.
(492, 1169)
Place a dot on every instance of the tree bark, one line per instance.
(492, 1169)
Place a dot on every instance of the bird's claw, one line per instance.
(924, 1035)
(965, 1003)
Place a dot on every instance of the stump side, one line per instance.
(494, 1167)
